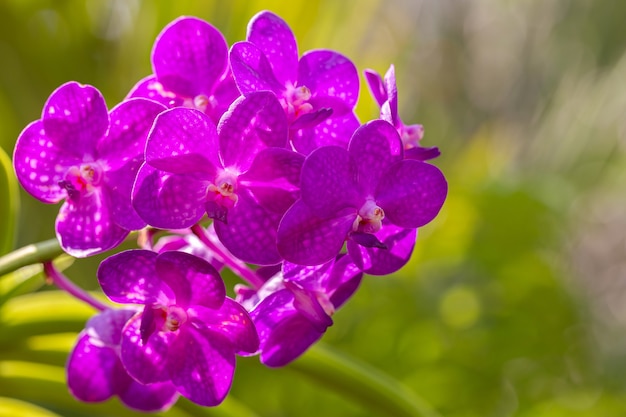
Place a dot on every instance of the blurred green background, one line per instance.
(514, 303)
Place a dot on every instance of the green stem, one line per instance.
(365, 385)
(30, 254)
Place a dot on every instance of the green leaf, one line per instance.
(365, 385)
(10, 407)
(9, 203)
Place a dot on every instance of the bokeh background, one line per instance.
(514, 303)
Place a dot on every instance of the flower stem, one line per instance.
(238, 267)
(68, 286)
(30, 254)
(366, 385)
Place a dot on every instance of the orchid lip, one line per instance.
(224, 189)
(175, 317)
(295, 101)
(82, 179)
(369, 218)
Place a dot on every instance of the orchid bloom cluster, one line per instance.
(249, 158)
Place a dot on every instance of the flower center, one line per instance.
(200, 102)
(411, 135)
(175, 317)
(295, 101)
(224, 190)
(369, 219)
(81, 179)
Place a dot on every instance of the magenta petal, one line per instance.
(306, 239)
(40, 164)
(274, 178)
(86, 227)
(290, 339)
(252, 123)
(310, 120)
(126, 140)
(375, 146)
(307, 304)
(328, 73)
(153, 397)
(189, 56)
(119, 187)
(376, 86)
(272, 35)
(193, 280)
(106, 327)
(231, 321)
(252, 70)
(75, 117)
(183, 141)
(225, 93)
(277, 166)
(329, 181)
(392, 96)
(90, 369)
(374, 261)
(168, 201)
(250, 233)
(130, 277)
(411, 193)
(202, 365)
(150, 88)
(332, 131)
(145, 362)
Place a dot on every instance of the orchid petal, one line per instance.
(192, 279)
(86, 227)
(329, 181)
(130, 123)
(189, 56)
(202, 365)
(252, 70)
(252, 123)
(250, 233)
(75, 117)
(150, 88)
(146, 363)
(374, 147)
(168, 201)
(183, 141)
(376, 86)
(40, 163)
(373, 261)
(306, 239)
(328, 73)
(272, 35)
(232, 321)
(411, 193)
(130, 277)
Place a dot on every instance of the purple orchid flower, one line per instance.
(294, 308)
(184, 241)
(385, 93)
(188, 332)
(80, 152)
(95, 372)
(239, 173)
(354, 193)
(318, 91)
(190, 65)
